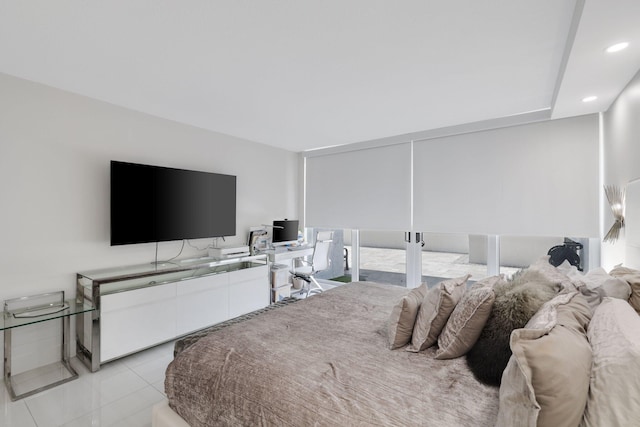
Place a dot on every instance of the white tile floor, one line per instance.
(122, 394)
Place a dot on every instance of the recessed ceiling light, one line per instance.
(617, 47)
(589, 98)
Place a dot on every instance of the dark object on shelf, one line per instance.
(569, 251)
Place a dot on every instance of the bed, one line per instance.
(323, 361)
(327, 361)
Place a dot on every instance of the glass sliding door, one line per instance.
(448, 255)
(382, 256)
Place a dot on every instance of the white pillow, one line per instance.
(614, 390)
(632, 277)
(546, 381)
(612, 286)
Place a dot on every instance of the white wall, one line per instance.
(621, 134)
(55, 149)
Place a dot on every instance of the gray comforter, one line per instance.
(323, 361)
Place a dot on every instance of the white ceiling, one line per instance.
(302, 74)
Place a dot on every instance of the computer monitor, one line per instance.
(285, 232)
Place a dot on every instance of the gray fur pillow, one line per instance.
(516, 301)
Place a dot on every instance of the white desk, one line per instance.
(280, 255)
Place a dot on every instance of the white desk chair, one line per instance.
(319, 261)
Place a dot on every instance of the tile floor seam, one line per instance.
(35, 423)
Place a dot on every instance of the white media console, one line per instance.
(144, 305)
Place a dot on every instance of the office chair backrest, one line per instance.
(320, 260)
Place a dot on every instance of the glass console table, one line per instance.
(30, 310)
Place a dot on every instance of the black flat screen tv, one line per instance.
(158, 204)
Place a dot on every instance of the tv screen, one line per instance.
(285, 231)
(157, 204)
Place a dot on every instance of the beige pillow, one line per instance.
(467, 320)
(632, 277)
(403, 317)
(546, 381)
(434, 312)
(612, 286)
(593, 296)
(614, 334)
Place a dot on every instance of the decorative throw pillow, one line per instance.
(435, 311)
(403, 317)
(614, 334)
(546, 381)
(467, 320)
(517, 300)
(632, 277)
(612, 286)
(593, 296)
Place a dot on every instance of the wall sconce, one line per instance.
(615, 196)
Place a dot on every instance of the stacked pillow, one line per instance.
(419, 317)
(564, 368)
(448, 314)
(546, 381)
(467, 320)
(516, 301)
(612, 286)
(437, 306)
(598, 281)
(632, 277)
(576, 363)
(454, 317)
(614, 335)
(403, 317)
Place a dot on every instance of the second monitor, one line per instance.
(285, 232)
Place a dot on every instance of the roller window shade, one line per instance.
(538, 179)
(363, 189)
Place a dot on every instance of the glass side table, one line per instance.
(28, 311)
